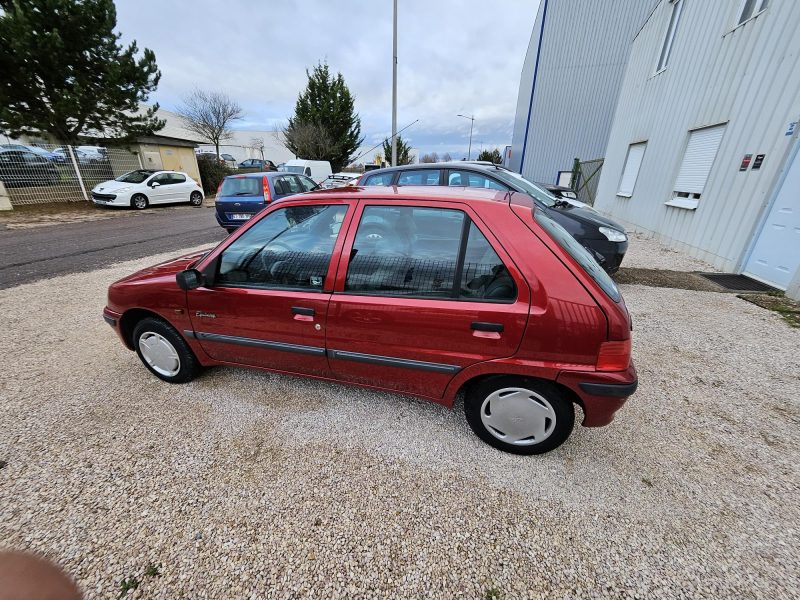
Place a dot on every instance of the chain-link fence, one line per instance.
(34, 174)
(585, 178)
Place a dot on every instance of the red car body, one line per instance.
(561, 328)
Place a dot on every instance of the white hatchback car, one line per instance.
(141, 188)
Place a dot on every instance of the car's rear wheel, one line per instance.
(139, 201)
(196, 199)
(519, 415)
(164, 352)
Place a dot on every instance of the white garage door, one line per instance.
(776, 254)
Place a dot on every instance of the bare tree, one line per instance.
(257, 143)
(309, 141)
(447, 157)
(429, 158)
(209, 115)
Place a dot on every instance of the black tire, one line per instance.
(551, 405)
(139, 201)
(188, 367)
(196, 199)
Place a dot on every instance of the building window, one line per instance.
(631, 171)
(666, 47)
(697, 162)
(750, 8)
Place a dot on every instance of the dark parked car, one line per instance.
(26, 168)
(604, 238)
(239, 197)
(423, 291)
(257, 163)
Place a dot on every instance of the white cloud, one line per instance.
(453, 57)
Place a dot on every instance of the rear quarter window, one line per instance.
(581, 255)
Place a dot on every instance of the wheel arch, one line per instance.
(478, 379)
(128, 321)
(138, 194)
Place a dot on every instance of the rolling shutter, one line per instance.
(631, 171)
(697, 161)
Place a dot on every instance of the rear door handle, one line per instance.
(483, 326)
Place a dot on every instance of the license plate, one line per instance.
(240, 216)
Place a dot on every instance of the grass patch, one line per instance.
(682, 280)
(493, 593)
(789, 310)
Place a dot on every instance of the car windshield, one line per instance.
(518, 181)
(241, 186)
(581, 255)
(135, 176)
(292, 169)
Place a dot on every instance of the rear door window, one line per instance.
(471, 179)
(177, 178)
(420, 177)
(418, 252)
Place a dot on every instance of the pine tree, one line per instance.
(64, 72)
(325, 125)
(491, 155)
(404, 156)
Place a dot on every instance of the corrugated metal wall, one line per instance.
(584, 51)
(747, 77)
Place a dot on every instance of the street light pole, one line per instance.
(471, 123)
(394, 88)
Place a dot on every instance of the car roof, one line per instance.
(258, 174)
(471, 195)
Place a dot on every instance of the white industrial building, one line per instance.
(570, 82)
(703, 151)
(245, 144)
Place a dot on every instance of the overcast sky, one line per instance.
(454, 56)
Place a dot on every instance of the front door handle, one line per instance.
(301, 313)
(489, 331)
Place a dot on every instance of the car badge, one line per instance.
(237, 203)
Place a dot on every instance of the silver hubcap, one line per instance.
(139, 202)
(196, 199)
(159, 354)
(518, 416)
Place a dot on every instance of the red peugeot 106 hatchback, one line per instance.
(423, 291)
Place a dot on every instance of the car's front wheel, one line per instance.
(519, 414)
(164, 352)
(139, 201)
(196, 199)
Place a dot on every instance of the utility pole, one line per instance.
(471, 123)
(394, 88)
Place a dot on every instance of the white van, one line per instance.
(318, 170)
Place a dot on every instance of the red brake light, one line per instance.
(267, 196)
(614, 356)
(219, 187)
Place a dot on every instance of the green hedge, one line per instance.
(212, 173)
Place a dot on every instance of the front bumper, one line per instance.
(602, 393)
(111, 199)
(612, 253)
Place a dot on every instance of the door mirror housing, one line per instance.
(190, 279)
(154, 184)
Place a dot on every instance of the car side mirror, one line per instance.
(190, 279)
(154, 184)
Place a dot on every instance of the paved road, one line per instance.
(31, 254)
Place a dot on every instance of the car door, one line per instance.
(423, 290)
(267, 303)
(181, 187)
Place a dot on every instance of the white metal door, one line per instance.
(776, 253)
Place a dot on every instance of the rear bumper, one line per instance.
(227, 223)
(602, 394)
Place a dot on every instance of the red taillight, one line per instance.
(614, 356)
(267, 196)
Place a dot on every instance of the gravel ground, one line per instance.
(245, 484)
(647, 253)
